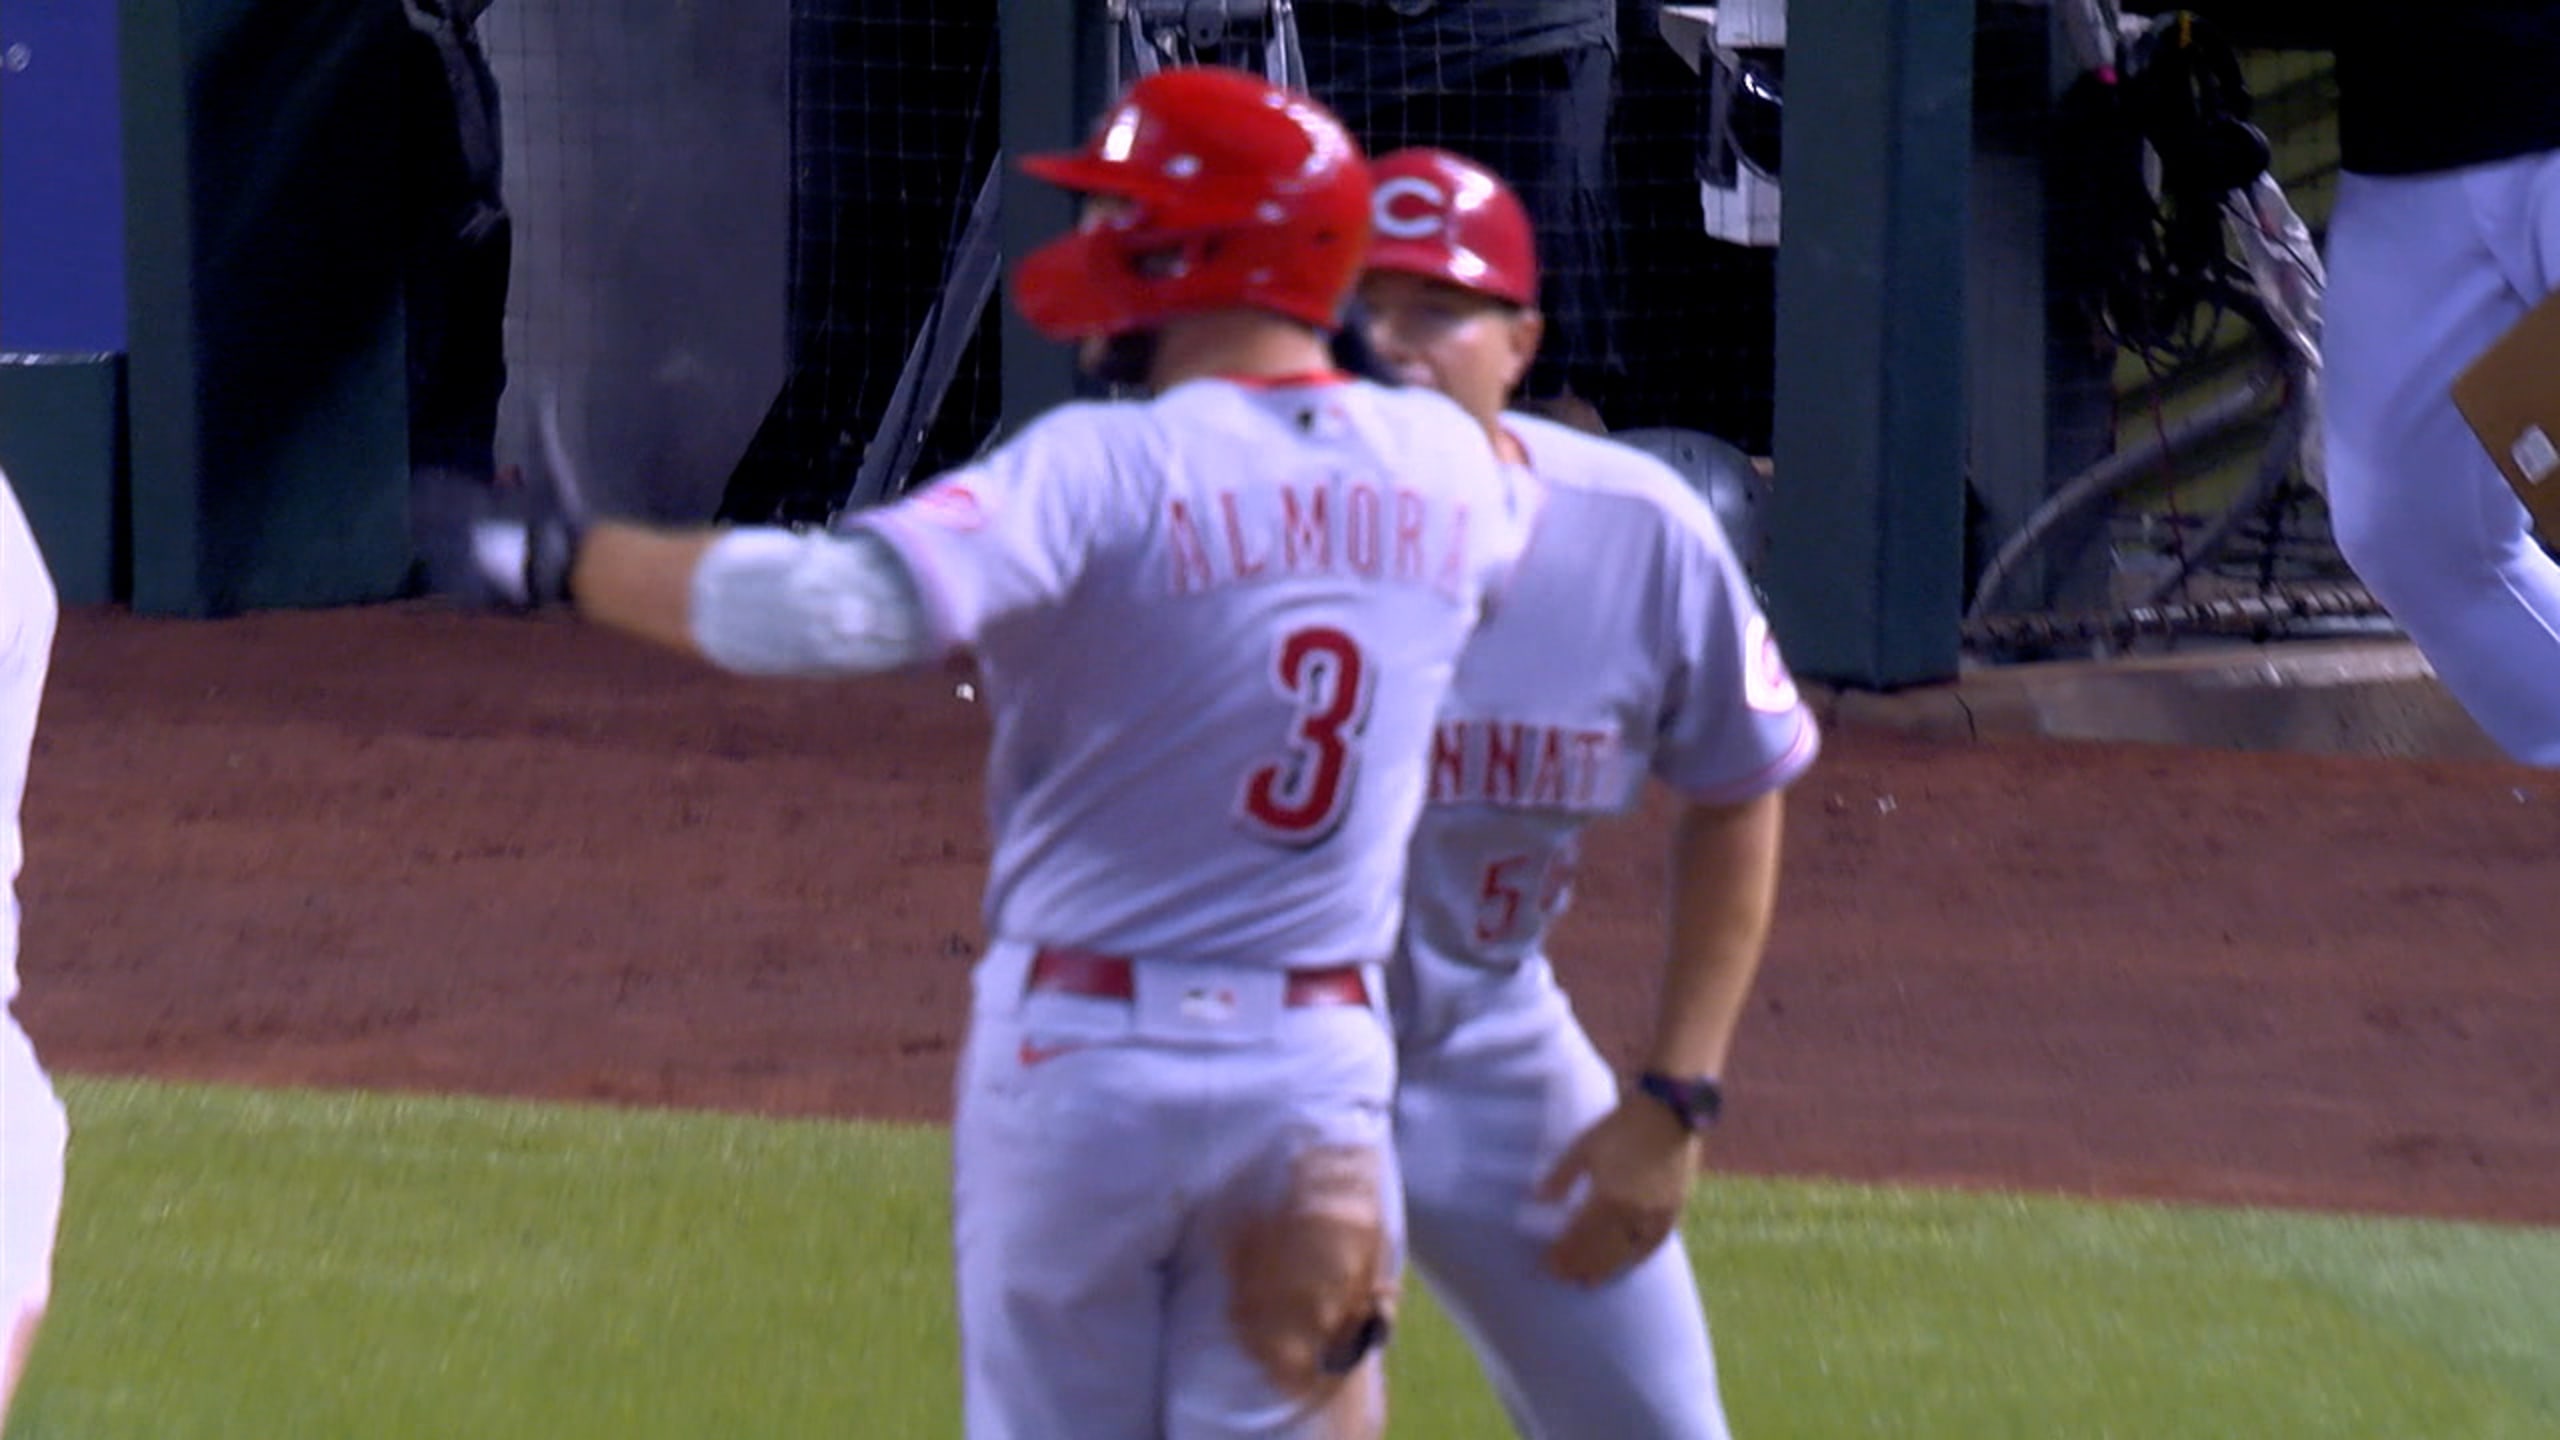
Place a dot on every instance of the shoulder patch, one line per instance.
(951, 505)
(1766, 685)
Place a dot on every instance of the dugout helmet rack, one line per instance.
(1257, 35)
(1253, 35)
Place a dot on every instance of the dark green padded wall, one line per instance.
(265, 363)
(61, 440)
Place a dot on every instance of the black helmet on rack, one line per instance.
(1745, 105)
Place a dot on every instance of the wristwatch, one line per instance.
(1693, 1100)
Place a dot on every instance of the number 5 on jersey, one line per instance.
(1522, 893)
(1299, 798)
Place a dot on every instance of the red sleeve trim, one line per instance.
(1777, 774)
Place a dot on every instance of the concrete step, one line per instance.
(2336, 697)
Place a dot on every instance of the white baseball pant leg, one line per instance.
(1482, 1113)
(2424, 273)
(35, 1134)
(1094, 1177)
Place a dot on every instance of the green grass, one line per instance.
(242, 1263)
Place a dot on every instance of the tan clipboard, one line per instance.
(2511, 398)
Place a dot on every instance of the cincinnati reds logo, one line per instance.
(1410, 208)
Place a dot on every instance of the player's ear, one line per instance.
(1524, 330)
(1376, 308)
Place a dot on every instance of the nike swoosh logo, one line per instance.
(1032, 1054)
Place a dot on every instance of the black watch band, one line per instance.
(1695, 1100)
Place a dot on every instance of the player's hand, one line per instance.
(1638, 1164)
(522, 561)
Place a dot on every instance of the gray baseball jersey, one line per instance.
(1628, 644)
(1156, 787)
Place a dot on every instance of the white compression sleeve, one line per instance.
(772, 602)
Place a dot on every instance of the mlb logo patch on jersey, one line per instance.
(1207, 1004)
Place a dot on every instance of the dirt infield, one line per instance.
(400, 848)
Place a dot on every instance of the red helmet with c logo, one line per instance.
(1444, 217)
(1236, 194)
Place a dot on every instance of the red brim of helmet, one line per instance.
(1066, 293)
(1078, 172)
(1451, 265)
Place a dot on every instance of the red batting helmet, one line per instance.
(1445, 217)
(1239, 194)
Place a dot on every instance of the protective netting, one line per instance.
(756, 216)
(648, 174)
(1598, 113)
(894, 127)
(743, 245)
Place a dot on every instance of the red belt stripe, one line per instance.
(1115, 977)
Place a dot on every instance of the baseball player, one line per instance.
(1214, 627)
(33, 1128)
(1530, 85)
(2445, 232)
(1541, 1195)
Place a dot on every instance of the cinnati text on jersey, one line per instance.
(1525, 765)
(1355, 529)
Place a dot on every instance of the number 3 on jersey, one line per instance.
(1298, 799)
